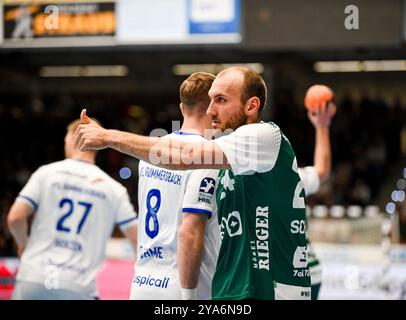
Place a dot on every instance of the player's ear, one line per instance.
(252, 105)
(181, 109)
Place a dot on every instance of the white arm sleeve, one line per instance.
(125, 214)
(200, 192)
(252, 147)
(310, 179)
(31, 193)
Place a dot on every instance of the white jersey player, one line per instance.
(164, 196)
(178, 233)
(312, 176)
(75, 206)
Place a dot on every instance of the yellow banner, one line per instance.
(63, 19)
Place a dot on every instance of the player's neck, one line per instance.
(254, 119)
(84, 156)
(194, 125)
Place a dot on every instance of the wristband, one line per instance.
(188, 294)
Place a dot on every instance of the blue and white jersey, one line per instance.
(163, 196)
(76, 207)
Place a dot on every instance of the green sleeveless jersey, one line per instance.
(263, 224)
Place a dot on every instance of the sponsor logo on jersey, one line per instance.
(155, 252)
(300, 262)
(260, 246)
(206, 190)
(68, 244)
(298, 226)
(161, 174)
(301, 273)
(299, 257)
(232, 224)
(151, 281)
(227, 183)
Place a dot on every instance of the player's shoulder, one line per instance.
(260, 128)
(49, 167)
(94, 174)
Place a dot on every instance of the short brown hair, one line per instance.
(194, 91)
(253, 86)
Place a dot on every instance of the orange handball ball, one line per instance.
(317, 95)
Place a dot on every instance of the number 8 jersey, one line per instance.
(76, 207)
(163, 197)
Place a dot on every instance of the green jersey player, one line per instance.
(262, 221)
(260, 199)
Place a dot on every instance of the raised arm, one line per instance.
(322, 153)
(164, 152)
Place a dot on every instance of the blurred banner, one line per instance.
(178, 21)
(114, 22)
(29, 22)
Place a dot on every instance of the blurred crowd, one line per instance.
(365, 138)
(365, 141)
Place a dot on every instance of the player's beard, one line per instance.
(235, 121)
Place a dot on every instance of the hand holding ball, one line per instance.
(317, 96)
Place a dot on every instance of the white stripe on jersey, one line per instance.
(163, 195)
(76, 206)
(310, 179)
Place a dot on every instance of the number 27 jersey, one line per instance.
(76, 206)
